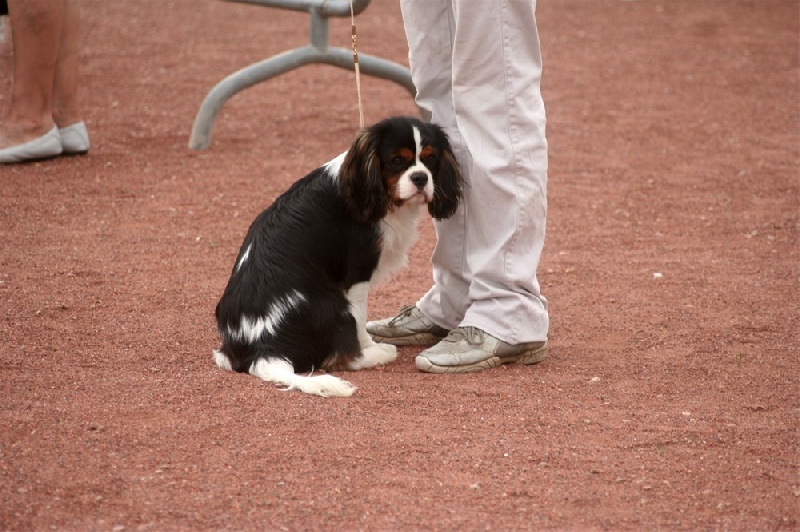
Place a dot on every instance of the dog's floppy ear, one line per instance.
(360, 180)
(447, 192)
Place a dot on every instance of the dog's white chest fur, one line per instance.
(399, 230)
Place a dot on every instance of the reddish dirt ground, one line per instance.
(669, 401)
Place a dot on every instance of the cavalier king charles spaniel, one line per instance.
(296, 300)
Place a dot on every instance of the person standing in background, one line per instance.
(44, 119)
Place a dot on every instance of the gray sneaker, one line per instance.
(468, 349)
(409, 327)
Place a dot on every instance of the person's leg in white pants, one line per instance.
(477, 69)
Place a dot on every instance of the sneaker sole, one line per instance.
(527, 358)
(419, 339)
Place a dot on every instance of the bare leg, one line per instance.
(65, 106)
(36, 31)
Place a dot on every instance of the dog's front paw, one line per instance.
(389, 350)
(375, 355)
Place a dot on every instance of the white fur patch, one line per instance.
(374, 355)
(222, 360)
(358, 298)
(252, 328)
(245, 255)
(282, 373)
(399, 231)
(333, 166)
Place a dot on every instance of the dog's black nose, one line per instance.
(419, 179)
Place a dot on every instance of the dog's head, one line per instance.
(400, 161)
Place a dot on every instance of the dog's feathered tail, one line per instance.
(281, 372)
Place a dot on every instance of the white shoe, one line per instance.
(468, 349)
(46, 146)
(409, 327)
(74, 139)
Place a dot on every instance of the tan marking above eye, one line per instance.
(426, 150)
(405, 153)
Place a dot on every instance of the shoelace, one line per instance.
(404, 313)
(472, 335)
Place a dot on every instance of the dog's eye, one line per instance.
(397, 162)
(430, 159)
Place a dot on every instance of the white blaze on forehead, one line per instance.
(418, 142)
(405, 188)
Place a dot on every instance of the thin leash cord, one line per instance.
(357, 68)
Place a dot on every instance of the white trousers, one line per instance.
(477, 68)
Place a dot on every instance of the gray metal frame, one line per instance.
(317, 51)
